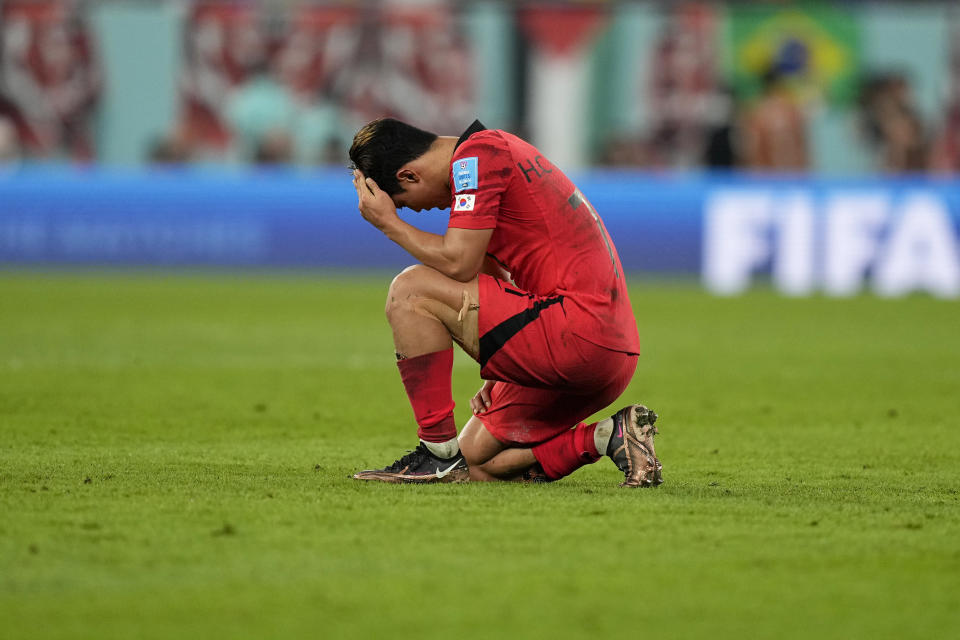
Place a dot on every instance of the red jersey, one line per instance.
(546, 233)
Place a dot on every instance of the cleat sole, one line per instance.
(458, 476)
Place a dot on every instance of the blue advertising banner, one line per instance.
(893, 236)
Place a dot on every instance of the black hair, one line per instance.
(381, 147)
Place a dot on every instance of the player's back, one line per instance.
(546, 234)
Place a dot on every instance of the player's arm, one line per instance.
(458, 254)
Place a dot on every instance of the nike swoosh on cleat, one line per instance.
(443, 473)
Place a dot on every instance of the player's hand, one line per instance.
(375, 205)
(481, 401)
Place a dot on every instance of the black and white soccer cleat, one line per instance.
(420, 466)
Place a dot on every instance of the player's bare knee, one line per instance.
(408, 295)
(473, 456)
(469, 457)
(407, 283)
(402, 287)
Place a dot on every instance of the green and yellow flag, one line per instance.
(816, 47)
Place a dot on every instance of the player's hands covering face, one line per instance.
(375, 205)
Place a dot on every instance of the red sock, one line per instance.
(427, 381)
(562, 455)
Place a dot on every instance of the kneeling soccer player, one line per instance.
(527, 281)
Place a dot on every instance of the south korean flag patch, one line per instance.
(464, 202)
(465, 174)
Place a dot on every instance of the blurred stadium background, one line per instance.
(814, 144)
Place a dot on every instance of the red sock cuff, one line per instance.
(583, 439)
(427, 381)
(562, 455)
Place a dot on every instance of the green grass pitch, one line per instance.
(175, 453)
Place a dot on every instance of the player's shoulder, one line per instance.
(483, 142)
(482, 155)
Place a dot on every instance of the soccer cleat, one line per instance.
(420, 466)
(631, 446)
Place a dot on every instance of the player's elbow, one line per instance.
(463, 275)
(464, 270)
(463, 252)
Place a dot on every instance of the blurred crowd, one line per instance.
(288, 86)
(258, 84)
(291, 89)
(49, 82)
(699, 120)
(770, 131)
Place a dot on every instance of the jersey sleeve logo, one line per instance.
(464, 202)
(465, 174)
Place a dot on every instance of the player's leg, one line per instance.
(626, 437)
(527, 428)
(488, 458)
(427, 312)
(518, 429)
(555, 384)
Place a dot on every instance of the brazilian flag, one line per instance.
(816, 47)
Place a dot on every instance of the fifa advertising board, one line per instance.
(835, 237)
(838, 241)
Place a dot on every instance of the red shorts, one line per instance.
(548, 379)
